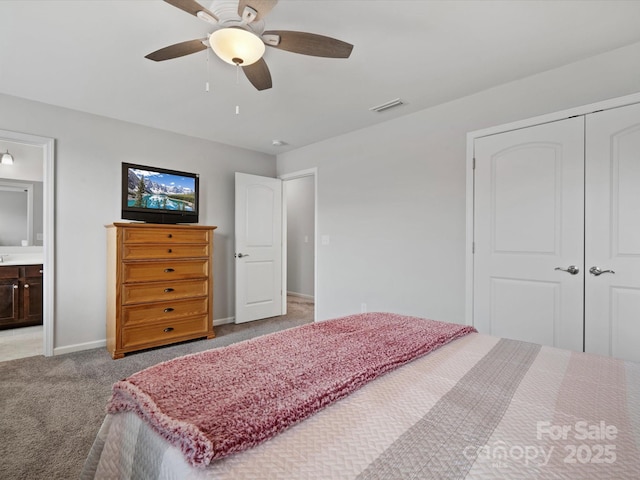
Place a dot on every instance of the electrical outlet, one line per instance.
(363, 308)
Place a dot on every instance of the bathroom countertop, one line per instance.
(20, 260)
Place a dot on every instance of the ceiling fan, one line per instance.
(239, 38)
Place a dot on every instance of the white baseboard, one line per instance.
(223, 321)
(79, 347)
(301, 295)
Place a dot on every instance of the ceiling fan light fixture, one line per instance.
(249, 14)
(237, 46)
(207, 17)
(271, 39)
(7, 158)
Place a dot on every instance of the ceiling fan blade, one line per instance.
(190, 6)
(307, 43)
(258, 74)
(262, 7)
(177, 50)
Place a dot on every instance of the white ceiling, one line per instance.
(89, 56)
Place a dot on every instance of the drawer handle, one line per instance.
(170, 251)
(168, 329)
(26, 285)
(169, 270)
(168, 290)
(168, 310)
(170, 236)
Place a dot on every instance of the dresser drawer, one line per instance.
(166, 235)
(164, 332)
(161, 311)
(149, 252)
(165, 271)
(154, 292)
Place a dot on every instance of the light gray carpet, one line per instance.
(52, 407)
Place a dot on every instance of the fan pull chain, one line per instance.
(206, 83)
(237, 83)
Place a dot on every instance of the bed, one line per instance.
(458, 405)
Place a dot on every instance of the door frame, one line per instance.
(470, 185)
(48, 228)
(310, 172)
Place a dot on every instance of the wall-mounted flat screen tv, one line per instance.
(159, 195)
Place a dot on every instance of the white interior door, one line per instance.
(258, 245)
(612, 238)
(529, 221)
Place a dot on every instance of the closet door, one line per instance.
(529, 223)
(612, 235)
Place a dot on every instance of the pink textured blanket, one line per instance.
(225, 400)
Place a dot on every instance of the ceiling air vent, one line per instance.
(386, 106)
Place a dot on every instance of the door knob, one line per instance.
(597, 272)
(573, 270)
(240, 255)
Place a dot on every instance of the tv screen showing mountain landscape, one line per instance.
(160, 190)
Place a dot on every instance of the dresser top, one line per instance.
(160, 225)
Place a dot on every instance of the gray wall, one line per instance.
(300, 197)
(391, 198)
(89, 151)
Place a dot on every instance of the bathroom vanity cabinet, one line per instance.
(20, 296)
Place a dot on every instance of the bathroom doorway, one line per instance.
(33, 164)
(299, 230)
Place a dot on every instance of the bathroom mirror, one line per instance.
(21, 213)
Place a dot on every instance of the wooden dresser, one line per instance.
(159, 285)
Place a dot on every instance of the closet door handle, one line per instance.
(573, 270)
(597, 272)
